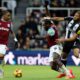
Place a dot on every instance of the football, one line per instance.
(18, 73)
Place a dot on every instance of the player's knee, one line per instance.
(54, 66)
(59, 63)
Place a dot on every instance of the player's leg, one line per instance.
(54, 66)
(2, 53)
(52, 55)
(66, 49)
(62, 69)
(1, 65)
(55, 61)
(58, 66)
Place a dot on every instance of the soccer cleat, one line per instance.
(71, 73)
(61, 75)
(70, 77)
(1, 73)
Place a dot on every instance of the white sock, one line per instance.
(61, 70)
(66, 71)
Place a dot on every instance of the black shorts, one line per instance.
(68, 46)
(76, 44)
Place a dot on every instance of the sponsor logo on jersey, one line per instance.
(8, 25)
(5, 29)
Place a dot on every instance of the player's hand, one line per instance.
(60, 40)
(15, 39)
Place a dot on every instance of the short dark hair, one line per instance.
(47, 21)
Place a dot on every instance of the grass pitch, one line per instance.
(36, 73)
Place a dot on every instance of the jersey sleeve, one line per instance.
(78, 31)
(68, 18)
(51, 32)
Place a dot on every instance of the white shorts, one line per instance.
(56, 49)
(2, 49)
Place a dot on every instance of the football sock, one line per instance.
(61, 70)
(65, 70)
(64, 61)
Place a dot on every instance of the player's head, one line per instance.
(47, 23)
(77, 15)
(6, 15)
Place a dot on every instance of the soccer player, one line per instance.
(5, 29)
(71, 38)
(55, 49)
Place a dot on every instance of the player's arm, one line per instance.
(12, 32)
(60, 40)
(58, 18)
(72, 38)
(54, 18)
(62, 18)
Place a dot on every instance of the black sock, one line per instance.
(64, 62)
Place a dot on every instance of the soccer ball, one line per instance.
(18, 73)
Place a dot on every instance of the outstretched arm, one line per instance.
(12, 32)
(68, 39)
(58, 18)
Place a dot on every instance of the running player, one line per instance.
(70, 40)
(5, 29)
(55, 49)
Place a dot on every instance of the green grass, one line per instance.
(36, 73)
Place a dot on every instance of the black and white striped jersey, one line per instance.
(72, 27)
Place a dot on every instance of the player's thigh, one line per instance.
(55, 52)
(2, 49)
(53, 65)
(67, 48)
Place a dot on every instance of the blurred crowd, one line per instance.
(57, 3)
(31, 33)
